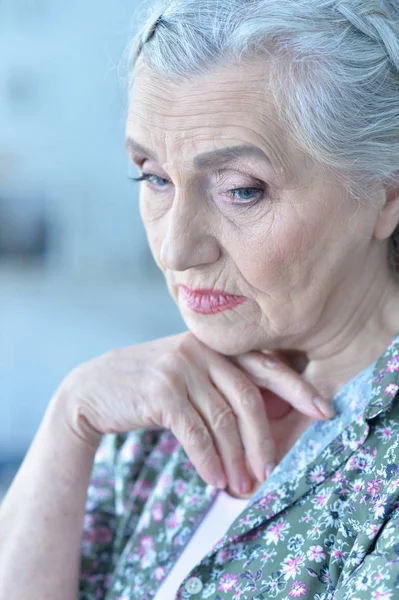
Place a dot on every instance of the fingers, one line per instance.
(222, 422)
(270, 372)
(253, 426)
(196, 439)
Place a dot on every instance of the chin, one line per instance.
(228, 343)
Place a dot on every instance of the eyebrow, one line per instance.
(214, 158)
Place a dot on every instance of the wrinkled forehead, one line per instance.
(227, 105)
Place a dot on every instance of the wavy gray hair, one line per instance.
(334, 68)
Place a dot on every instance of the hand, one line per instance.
(278, 376)
(212, 407)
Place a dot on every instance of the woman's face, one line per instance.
(288, 239)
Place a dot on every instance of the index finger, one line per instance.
(268, 371)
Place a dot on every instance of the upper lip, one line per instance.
(209, 291)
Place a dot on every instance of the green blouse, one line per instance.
(327, 531)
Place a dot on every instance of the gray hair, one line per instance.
(334, 68)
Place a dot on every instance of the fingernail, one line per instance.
(324, 407)
(269, 361)
(221, 483)
(246, 485)
(269, 469)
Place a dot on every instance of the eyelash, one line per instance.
(261, 190)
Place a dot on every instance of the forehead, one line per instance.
(230, 104)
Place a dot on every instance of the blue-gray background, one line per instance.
(76, 275)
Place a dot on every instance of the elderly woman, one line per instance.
(256, 455)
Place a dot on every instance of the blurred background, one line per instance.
(76, 275)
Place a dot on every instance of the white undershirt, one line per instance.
(223, 512)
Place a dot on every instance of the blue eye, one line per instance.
(152, 178)
(248, 194)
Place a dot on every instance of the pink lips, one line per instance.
(209, 302)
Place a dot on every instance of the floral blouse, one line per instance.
(325, 527)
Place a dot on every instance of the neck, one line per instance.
(360, 341)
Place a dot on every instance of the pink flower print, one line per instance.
(391, 390)
(321, 499)
(298, 589)
(238, 594)
(103, 493)
(266, 556)
(315, 531)
(358, 463)
(265, 501)
(336, 477)
(373, 487)
(393, 364)
(157, 512)
(168, 445)
(380, 506)
(222, 556)
(372, 530)
(100, 535)
(180, 488)
(175, 519)
(316, 553)
(147, 551)
(159, 573)
(292, 565)
(146, 543)
(276, 532)
(357, 486)
(381, 594)
(163, 483)
(338, 555)
(386, 433)
(316, 474)
(228, 582)
(142, 489)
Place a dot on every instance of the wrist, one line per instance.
(65, 412)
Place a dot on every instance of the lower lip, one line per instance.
(209, 304)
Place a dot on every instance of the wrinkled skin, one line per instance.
(238, 388)
(311, 261)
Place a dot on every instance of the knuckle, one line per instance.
(197, 436)
(155, 387)
(169, 362)
(224, 419)
(168, 371)
(249, 396)
(172, 379)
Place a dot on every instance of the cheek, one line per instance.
(274, 258)
(285, 257)
(153, 207)
(153, 228)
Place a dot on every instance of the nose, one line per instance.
(188, 241)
